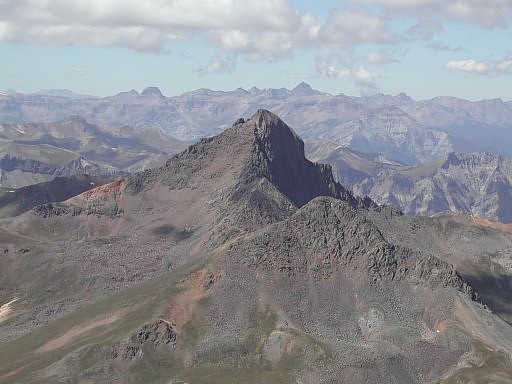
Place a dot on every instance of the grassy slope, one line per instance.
(487, 366)
(137, 306)
(50, 353)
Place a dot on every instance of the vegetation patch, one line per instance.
(487, 366)
(168, 230)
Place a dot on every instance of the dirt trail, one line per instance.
(79, 330)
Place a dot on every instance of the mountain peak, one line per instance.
(264, 118)
(263, 123)
(261, 147)
(125, 97)
(303, 89)
(152, 91)
(278, 155)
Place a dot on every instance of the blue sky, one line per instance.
(424, 48)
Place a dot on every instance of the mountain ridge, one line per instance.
(401, 128)
(205, 270)
(476, 183)
(35, 152)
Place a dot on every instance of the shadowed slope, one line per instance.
(15, 202)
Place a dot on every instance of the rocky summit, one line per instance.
(240, 260)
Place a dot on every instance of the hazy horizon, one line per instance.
(425, 48)
(50, 91)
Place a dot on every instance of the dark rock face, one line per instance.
(274, 152)
(278, 155)
(50, 210)
(149, 337)
(329, 234)
(151, 91)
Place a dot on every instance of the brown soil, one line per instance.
(78, 330)
(185, 303)
(106, 190)
(492, 224)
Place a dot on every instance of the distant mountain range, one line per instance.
(64, 93)
(478, 184)
(410, 140)
(55, 92)
(37, 152)
(398, 127)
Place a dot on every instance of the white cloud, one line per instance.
(363, 77)
(253, 30)
(332, 72)
(257, 30)
(217, 66)
(425, 29)
(487, 67)
(504, 66)
(354, 26)
(471, 66)
(149, 25)
(385, 55)
(260, 30)
(79, 72)
(402, 4)
(488, 13)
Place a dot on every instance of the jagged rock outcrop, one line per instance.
(271, 150)
(48, 210)
(150, 337)
(328, 234)
(278, 155)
